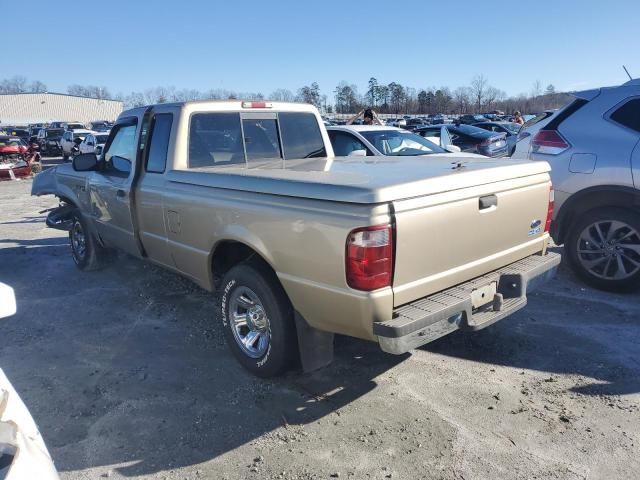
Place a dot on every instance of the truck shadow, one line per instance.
(126, 370)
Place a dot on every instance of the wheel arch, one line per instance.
(589, 199)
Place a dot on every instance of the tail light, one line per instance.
(547, 225)
(549, 142)
(369, 257)
(257, 105)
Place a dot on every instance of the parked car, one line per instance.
(470, 139)
(248, 198)
(471, 119)
(93, 143)
(23, 453)
(372, 140)
(414, 123)
(527, 130)
(437, 119)
(100, 126)
(593, 146)
(508, 128)
(48, 140)
(71, 139)
(74, 126)
(18, 132)
(13, 158)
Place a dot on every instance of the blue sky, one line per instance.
(258, 46)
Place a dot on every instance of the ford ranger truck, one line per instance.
(248, 199)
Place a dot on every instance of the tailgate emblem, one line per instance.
(535, 227)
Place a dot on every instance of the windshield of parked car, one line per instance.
(102, 138)
(512, 127)
(80, 135)
(55, 132)
(394, 142)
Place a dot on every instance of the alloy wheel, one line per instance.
(609, 249)
(249, 322)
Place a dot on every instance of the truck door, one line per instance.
(110, 189)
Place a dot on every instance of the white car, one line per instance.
(368, 140)
(70, 139)
(93, 143)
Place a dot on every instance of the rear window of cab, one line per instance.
(222, 139)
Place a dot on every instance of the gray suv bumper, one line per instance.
(432, 317)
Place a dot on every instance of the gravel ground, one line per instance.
(128, 376)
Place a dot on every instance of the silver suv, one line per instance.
(593, 146)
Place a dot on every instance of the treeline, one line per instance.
(391, 98)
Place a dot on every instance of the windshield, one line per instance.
(512, 127)
(80, 135)
(55, 132)
(394, 142)
(102, 138)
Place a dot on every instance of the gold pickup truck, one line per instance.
(248, 199)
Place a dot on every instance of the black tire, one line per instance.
(611, 257)
(279, 330)
(92, 255)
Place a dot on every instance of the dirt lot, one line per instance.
(127, 375)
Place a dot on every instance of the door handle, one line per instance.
(121, 194)
(487, 201)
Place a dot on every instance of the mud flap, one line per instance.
(315, 346)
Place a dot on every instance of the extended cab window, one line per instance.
(215, 139)
(301, 137)
(628, 115)
(159, 144)
(122, 150)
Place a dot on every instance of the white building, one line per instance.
(25, 108)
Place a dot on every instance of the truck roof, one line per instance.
(227, 105)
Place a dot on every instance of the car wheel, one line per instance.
(257, 318)
(603, 247)
(86, 252)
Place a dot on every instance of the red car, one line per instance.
(15, 157)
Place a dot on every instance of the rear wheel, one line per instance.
(86, 252)
(603, 247)
(257, 318)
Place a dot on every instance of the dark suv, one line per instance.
(49, 141)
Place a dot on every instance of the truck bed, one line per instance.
(367, 180)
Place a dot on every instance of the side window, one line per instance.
(121, 151)
(215, 139)
(159, 142)
(344, 143)
(301, 137)
(628, 115)
(261, 139)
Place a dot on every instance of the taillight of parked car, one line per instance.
(547, 225)
(369, 257)
(549, 142)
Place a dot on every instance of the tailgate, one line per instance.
(451, 237)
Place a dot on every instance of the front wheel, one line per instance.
(257, 318)
(603, 247)
(86, 252)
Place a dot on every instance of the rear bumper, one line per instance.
(432, 317)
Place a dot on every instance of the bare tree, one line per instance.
(282, 95)
(479, 85)
(37, 87)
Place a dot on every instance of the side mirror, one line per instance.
(358, 153)
(85, 162)
(7, 301)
